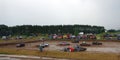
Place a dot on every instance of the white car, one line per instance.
(44, 45)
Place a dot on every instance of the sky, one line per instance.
(61, 12)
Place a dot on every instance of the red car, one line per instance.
(74, 49)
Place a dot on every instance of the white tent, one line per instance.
(81, 33)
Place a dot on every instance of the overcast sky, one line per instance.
(56, 12)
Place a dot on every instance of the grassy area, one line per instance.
(58, 54)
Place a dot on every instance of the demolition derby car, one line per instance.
(63, 44)
(77, 48)
(20, 45)
(44, 45)
(85, 44)
(75, 41)
(96, 43)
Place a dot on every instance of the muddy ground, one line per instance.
(107, 47)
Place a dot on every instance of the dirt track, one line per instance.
(107, 47)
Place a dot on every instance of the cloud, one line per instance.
(54, 12)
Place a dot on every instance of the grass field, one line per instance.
(58, 54)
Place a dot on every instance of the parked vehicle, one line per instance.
(118, 37)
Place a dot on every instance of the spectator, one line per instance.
(41, 48)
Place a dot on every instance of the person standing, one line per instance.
(41, 48)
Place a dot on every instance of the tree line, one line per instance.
(49, 29)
